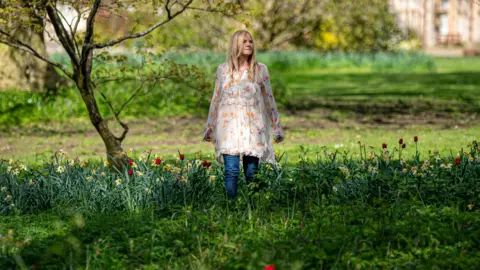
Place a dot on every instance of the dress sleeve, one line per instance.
(270, 104)
(214, 103)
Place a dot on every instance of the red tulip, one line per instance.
(457, 161)
(131, 161)
(158, 161)
(384, 145)
(206, 164)
(415, 139)
(270, 267)
(400, 141)
(404, 145)
(182, 156)
(130, 171)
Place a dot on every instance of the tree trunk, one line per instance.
(23, 71)
(115, 155)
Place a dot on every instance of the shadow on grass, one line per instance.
(384, 94)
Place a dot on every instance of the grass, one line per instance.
(324, 101)
(308, 214)
(88, 145)
(333, 212)
(339, 237)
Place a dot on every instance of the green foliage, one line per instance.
(188, 96)
(330, 211)
(356, 26)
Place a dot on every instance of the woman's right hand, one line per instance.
(207, 137)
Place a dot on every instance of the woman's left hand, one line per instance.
(278, 138)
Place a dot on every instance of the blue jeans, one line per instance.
(232, 170)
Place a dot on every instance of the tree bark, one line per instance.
(23, 71)
(113, 145)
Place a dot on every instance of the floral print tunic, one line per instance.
(243, 118)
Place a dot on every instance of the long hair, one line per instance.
(235, 50)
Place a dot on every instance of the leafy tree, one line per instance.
(355, 26)
(89, 75)
(277, 23)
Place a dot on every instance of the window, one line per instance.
(460, 26)
(443, 24)
(445, 4)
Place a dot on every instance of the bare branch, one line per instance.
(77, 22)
(17, 44)
(168, 9)
(143, 33)
(72, 35)
(90, 22)
(62, 34)
(124, 125)
(131, 97)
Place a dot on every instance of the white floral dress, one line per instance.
(243, 117)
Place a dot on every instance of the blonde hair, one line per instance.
(235, 50)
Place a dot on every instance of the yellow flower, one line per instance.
(31, 182)
(71, 163)
(138, 173)
(89, 178)
(84, 163)
(94, 171)
(344, 170)
(212, 178)
(134, 165)
(60, 169)
(168, 167)
(11, 161)
(118, 181)
(11, 232)
(103, 174)
(106, 164)
(470, 206)
(147, 190)
(122, 154)
(130, 150)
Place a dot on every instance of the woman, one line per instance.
(243, 114)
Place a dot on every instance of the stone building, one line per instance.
(440, 22)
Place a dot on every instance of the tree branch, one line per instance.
(124, 125)
(90, 22)
(17, 44)
(143, 33)
(69, 24)
(62, 34)
(169, 15)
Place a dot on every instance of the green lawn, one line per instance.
(322, 106)
(342, 213)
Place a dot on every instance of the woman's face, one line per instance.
(247, 45)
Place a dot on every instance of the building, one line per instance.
(440, 22)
